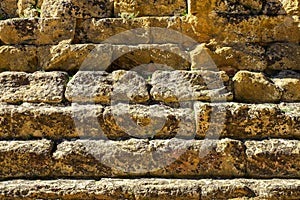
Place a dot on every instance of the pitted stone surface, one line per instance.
(163, 189)
(273, 158)
(76, 8)
(37, 31)
(180, 86)
(102, 87)
(252, 87)
(37, 87)
(20, 159)
(149, 8)
(163, 158)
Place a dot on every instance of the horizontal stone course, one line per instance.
(204, 120)
(151, 188)
(225, 158)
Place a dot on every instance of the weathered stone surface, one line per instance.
(149, 8)
(77, 8)
(102, 87)
(37, 31)
(102, 30)
(247, 121)
(273, 158)
(255, 87)
(67, 57)
(29, 8)
(146, 58)
(283, 56)
(8, 8)
(241, 56)
(289, 81)
(163, 158)
(19, 58)
(245, 7)
(37, 87)
(139, 121)
(179, 86)
(164, 189)
(25, 158)
(258, 29)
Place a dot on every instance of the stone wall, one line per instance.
(132, 99)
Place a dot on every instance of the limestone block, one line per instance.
(25, 159)
(289, 81)
(101, 87)
(37, 31)
(77, 8)
(251, 121)
(273, 158)
(149, 8)
(29, 8)
(255, 87)
(163, 158)
(139, 121)
(37, 87)
(8, 9)
(180, 86)
(155, 188)
(67, 57)
(19, 58)
(282, 56)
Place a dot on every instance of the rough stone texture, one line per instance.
(164, 189)
(289, 81)
(149, 8)
(37, 87)
(29, 8)
(139, 121)
(180, 86)
(25, 158)
(146, 58)
(8, 8)
(258, 29)
(162, 158)
(19, 58)
(37, 31)
(99, 30)
(245, 7)
(283, 56)
(247, 121)
(102, 87)
(241, 56)
(77, 8)
(255, 87)
(69, 57)
(273, 158)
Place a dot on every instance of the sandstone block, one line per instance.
(25, 159)
(247, 121)
(143, 188)
(273, 158)
(180, 86)
(101, 87)
(139, 121)
(176, 158)
(254, 87)
(282, 56)
(29, 8)
(149, 8)
(77, 8)
(8, 8)
(67, 57)
(37, 31)
(19, 58)
(147, 58)
(289, 81)
(37, 87)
